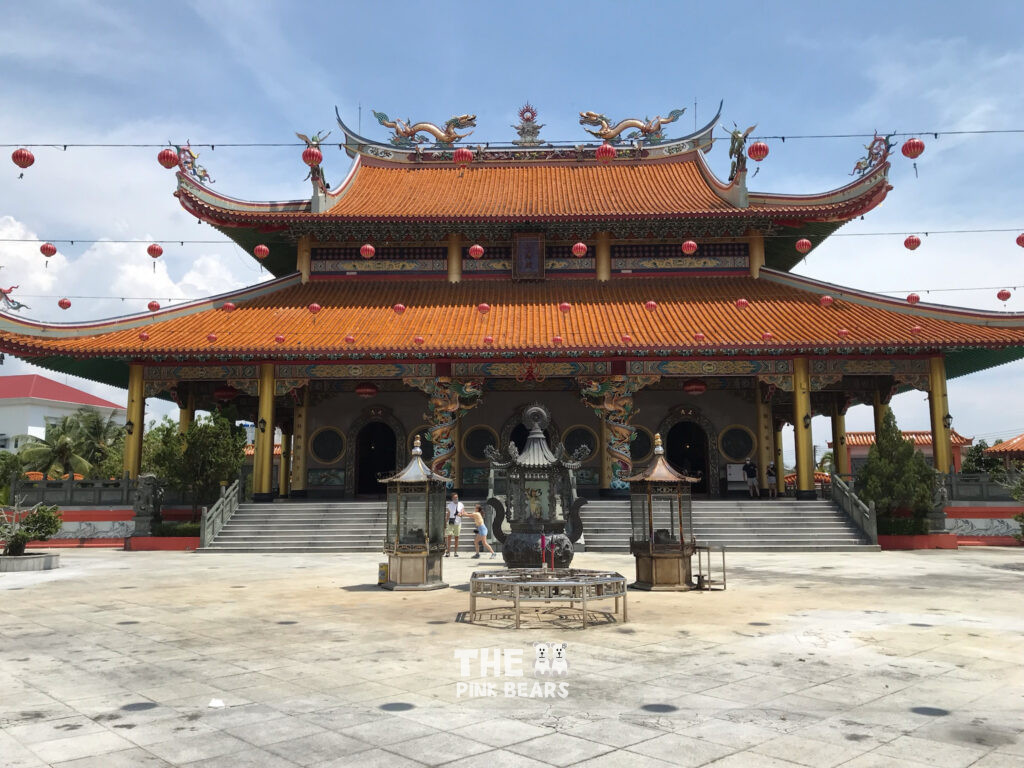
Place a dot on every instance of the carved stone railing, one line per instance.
(862, 514)
(76, 493)
(979, 486)
(216, 516)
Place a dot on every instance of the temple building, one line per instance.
(443, 287)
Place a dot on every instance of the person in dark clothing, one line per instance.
(750, 472)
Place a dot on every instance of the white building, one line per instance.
(29, 402)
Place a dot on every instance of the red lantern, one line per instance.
(366, 390)
(143, 336)
(803, 245)
(842, 333)
(742, 303)
(168, 158)
(261, 252)
(580, 250)
(1020, 240)
(153, 306)
(155, 251)
(462, 157)
(398, 308)
(694, 387)
(912, 243)
(826, 301)
(699, 337)
(476, 251)
(564, 307)
(225, 394)
(312, 156)
(488, 339)
(483, 309)
(912, 148)
(22, 158)
(605, 153)
(1003, 295)
(227, 306)
(650, 306)
(757, 151)
(48, 249)
(314, 308)
(766, 336)
(689, 247)
(627, 339)
(417, 340)
(64, 304)
(912, 299)
(367, 251)
(279, 339)
(556, 340)
(350, 339)
(915, 329)
(211, 337)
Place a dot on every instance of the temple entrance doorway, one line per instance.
(686, 449)
(376, 448)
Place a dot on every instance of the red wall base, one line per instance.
(65, 543)
(988, 541)
(924, 541)
(162, 544)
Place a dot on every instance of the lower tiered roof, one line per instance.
(693, 316)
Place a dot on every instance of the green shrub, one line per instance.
(176, 529)
(902, 526)
(18, 528)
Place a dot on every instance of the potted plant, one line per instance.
(18, 527)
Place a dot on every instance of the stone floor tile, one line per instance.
(998, 760)
(16, 755)
(618, 759)
(613, 732)
(809, 752)
(187, 749)
(730, 734)
(318, 747)
(681, 750)
(156, 731)
(270, 731)
(438, 748)
(373, 758)
(74, 747)
(560, 749)
(501, 732)
(938, 755)
(249, 758)
(381, 733)
(35, 731)
(129, 758)
(498, 758)
(752, 760)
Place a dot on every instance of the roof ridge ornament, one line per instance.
(878, 149)
(737, 147)
(647, 130)
(528, 128)
(407, 132)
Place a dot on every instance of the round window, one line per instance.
(327, 445)
(476, 441)
(642, 445)
(575, 437)
(736, 443)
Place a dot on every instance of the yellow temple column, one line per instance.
(603, 256)
(880, 408)
(136, 421)
(840, 453)
(263, 461)
(802, 429)
(938, 406)
(755, 242)
(284, 467)
(304, 259)
(605, 473)
(298, 454)
(765, 440)
(457, 456)
(454, 258)
(780, 467)
(187, 414)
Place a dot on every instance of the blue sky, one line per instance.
(258, 71)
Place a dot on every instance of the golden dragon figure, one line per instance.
(647, 130)
(407, 132)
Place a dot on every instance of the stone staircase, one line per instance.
(311, 526)
(782, 525)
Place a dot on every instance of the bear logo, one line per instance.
(559, 664)
(542, 662)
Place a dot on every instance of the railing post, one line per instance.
(203, 536)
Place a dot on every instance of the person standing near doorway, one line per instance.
(750, 471)
(453, 524)
(481, 531)
(773, 480)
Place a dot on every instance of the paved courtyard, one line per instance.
(862, 660)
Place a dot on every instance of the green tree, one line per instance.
(59, 452)
(98, 440)
(18, 528)
(827, 462)
(976, 460)
(896, 477)
(162, 445)
(10, 470)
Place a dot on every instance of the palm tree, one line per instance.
(61, 449)
(827, 462)
(97, 435)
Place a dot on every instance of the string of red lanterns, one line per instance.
(153, 306)
(742, 303)
(476, 251)
(462, 157)
(757, 151)
(398, 309)
(261, 252)
(23, 158)
(803, 245)
(689, 247)
(579, 250)
(651, 305)
(1003, 295)
(64, 304)
(483, 309)
(367, 251)
(168, 158)
(228, 306)
(912, 299)
(312, 156)
(143, 336)
(826, 301)
(556, 340)
(605, 153)
(564, 307)
(912, 243)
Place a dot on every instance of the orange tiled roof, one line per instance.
(822, 478)
(525, 316)
(1007, 447)
(920, 438)
(673, 188)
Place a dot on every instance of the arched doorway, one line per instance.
(376, 452)
(686, 449)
